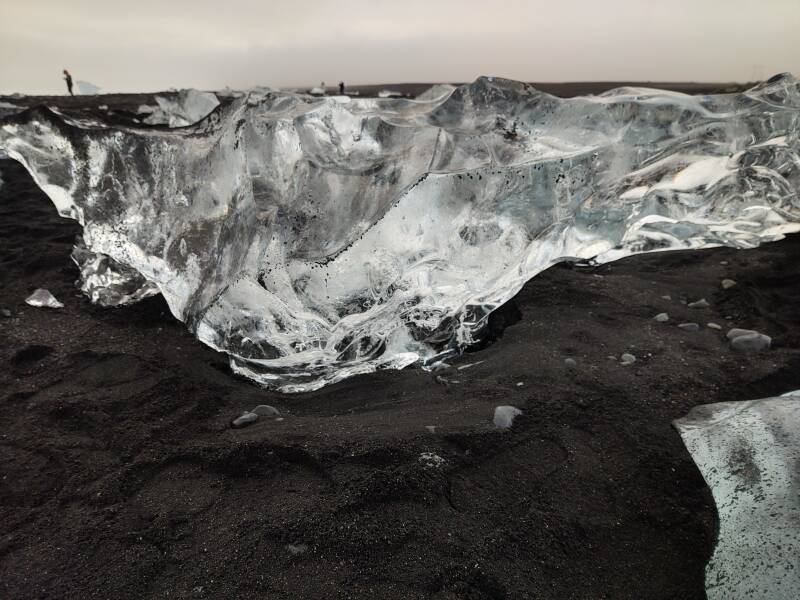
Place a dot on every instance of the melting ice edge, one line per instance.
(313, 239)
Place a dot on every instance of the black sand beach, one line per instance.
(120, 476)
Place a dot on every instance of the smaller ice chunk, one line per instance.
(87, 89)
(390, 94)
(748, 454)
(43, 298)
(189, 107)
(504, 416)
(661, 317)
(107, 282)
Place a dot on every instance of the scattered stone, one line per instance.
(297, 549)
(723, 263)
(689, 326)
(751, 342)
(570, 363)
(727, 284)
(4, 312)
(702, 303)
(627, 359)
(431, 428)
(504, 416)
(612, 357)
(246, 419)
(44, 299)
(661, 317)
(265, 410)
(520, 384)
(468, 365)
(667, 297)
(431, 460)
(736, 332)
(714, 326)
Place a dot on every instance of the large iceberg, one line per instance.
(315, 238)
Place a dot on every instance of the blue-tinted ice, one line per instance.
(315, 238)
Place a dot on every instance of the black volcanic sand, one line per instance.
(121, 477)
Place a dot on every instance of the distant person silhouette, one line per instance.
(341, 88)
(68, 79)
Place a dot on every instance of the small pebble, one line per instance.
(727, 284)
(689, 326)
(661, 317)
(4, 312)
(702, 303)
(612, 358)
(570, 363)
(667, 297)
(431, 460)
(246, 419)
(265, 410)
(723, 262)
(751, 342)
(504, 416)
(431, 428)
(627, 359)
(714, 326)
(520, 384)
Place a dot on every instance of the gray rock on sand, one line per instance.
(570, 363)
(751, 342)
(265, 410)
(736, 332)
(246, 419)
(727, 284)
(627, 359)
(714, 326)
(297, 549)
(44, 299)
(504, 416)
(702, 303)
(661, 317)
(4, 312)
(689, 326)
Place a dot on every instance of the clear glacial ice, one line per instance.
(748, 453)
(313, 239)
(185, 108)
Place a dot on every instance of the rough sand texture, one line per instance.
(121, 478)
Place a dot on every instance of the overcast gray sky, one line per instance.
(149, 45)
